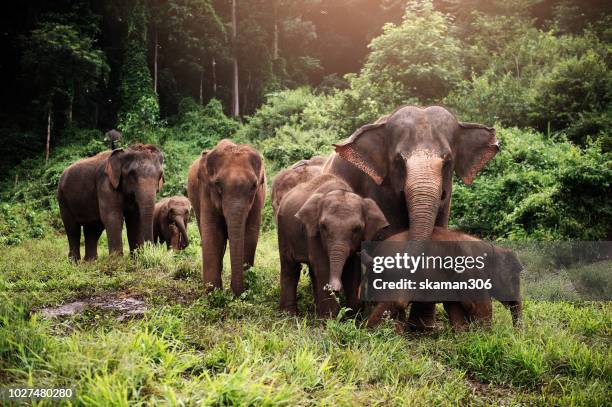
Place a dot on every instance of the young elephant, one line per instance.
(503, 270)
(102, 191)
(299, 172)
(226, 187)
(170, 221)
(335, 221)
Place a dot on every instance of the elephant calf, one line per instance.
(226, 187)
(299, 172)
(335, 221)
(170, 221)
(99, 192)
(504, 272)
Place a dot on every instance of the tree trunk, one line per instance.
(155, 63)
(214, 76)
(235, 94)
(70, 103)
(275, 48)
(47, 146)
(201, 84)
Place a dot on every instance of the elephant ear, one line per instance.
(365, 149)
(160, 183)
(475, 145)
(257, 163)
(375, 220)
(309, 214)
(113, 167)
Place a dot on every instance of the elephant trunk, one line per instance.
(422, 191)
(516, 310)
(180, 224)
(338, 254)
(236, 220)
(146, 207)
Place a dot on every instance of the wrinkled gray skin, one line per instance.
(302, 171)
(503, 268)
(170, 221)
(321, 223)
(99, 192)
(405, 163)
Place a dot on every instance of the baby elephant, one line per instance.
(322, 223)
(503, 269)
(170, 221)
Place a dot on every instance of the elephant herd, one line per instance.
(390, 180)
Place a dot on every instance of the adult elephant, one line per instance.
(226, 187)
(405, 163)
(99, 192)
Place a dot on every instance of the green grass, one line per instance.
(219, 350)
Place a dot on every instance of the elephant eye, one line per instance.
(218, 186)
(323, 227)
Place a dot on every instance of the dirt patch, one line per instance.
(125, 307)
(489, 392)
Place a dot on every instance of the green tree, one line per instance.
(417, 61)
(139, 102)
(62, 61)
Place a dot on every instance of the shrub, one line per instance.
(205, 125)
(280, 108)
(540, 189)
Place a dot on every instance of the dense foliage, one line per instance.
(542, 77)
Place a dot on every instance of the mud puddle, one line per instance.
(125, 307)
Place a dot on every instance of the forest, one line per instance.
(292, 78)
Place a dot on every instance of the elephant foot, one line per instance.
(289, 309)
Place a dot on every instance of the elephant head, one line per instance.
(137, 173)
(233, 175)
(414, 151)
(177, 213)
(341, 220)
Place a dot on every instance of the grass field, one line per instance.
(189, 349)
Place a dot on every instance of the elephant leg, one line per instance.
(380, 310)
(132, 225)
(92, 233)
(351, 279)
(326, 302)
(456, 315)
(214, 238)
(422, 315)
(73, 232)
(251, 235)
(290, 276)
(480, 312)
(113, 224)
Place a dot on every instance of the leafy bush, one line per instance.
(139, 124)
(292, 144)
(205, 125)
(416, 59)
(538, 188)
(537, 78)
(280, 108)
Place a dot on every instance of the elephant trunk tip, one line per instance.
(335, 285)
